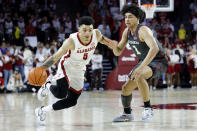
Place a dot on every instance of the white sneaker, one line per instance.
(147, 114)
(41, 116)
(43, 91)
(124, 118)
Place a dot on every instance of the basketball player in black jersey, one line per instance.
(152, 61)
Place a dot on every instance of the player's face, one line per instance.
(130, 20)
(85, 32)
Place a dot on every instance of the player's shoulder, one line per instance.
(73, 34)
(144, 28)
(125, 32)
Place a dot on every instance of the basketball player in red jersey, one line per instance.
(75, 54)
(152, 61)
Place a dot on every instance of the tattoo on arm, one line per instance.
(50, 61)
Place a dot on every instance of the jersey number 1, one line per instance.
(136, 50)
(85, 56)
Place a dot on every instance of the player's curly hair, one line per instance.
(86, 20)
(135, 10)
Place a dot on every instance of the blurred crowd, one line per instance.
(39, 18)
(179, 38)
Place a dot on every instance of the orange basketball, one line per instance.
(37, 76)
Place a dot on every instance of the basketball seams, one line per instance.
(35, 77)
(31, 79)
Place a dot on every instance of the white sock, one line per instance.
(47, 108)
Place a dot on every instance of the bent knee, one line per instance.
(125, 90)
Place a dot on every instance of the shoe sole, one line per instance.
(40, 123)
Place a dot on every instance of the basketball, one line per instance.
(37, 76)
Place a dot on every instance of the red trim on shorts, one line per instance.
(75, 91)
(62, 66)
(82, 42)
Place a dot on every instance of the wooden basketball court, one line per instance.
(176, 110)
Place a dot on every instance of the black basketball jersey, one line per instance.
(141, 48)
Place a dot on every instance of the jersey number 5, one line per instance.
(85, 56)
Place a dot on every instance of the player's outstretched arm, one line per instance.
(146, 35)
(68, 44)
(106, 41)
(120, 47)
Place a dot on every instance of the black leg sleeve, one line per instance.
(69, 101)
(126, 100)
(60, 90)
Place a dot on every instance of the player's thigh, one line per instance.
(128, 87)
(77, 83)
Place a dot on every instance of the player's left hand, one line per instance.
(136, 74)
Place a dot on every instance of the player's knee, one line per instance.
(125, 90)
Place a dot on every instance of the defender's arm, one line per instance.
(119, 49)
(104, 40)
(146, 35)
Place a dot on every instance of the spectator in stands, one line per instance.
(3, 47)
(178, 69)
(8, 29)
(105, 30)
(45, 29)
(193, 6)
(115, 31)
(170, 25)
(194, 23)
(52, 5)
(182, 32)
(173, 59)
(7, 68)
(30, 29)
(192, 67)
(78, 15)
(16, 35)
(21, 25)
(115, 11)
(1, 27)
(61, 34)
(56, 23)
(40, 55)
(19, 63)
(97, 68)
(68, 27)
(28, 61)
(15, 82)
(93, 6)
(1, 73)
